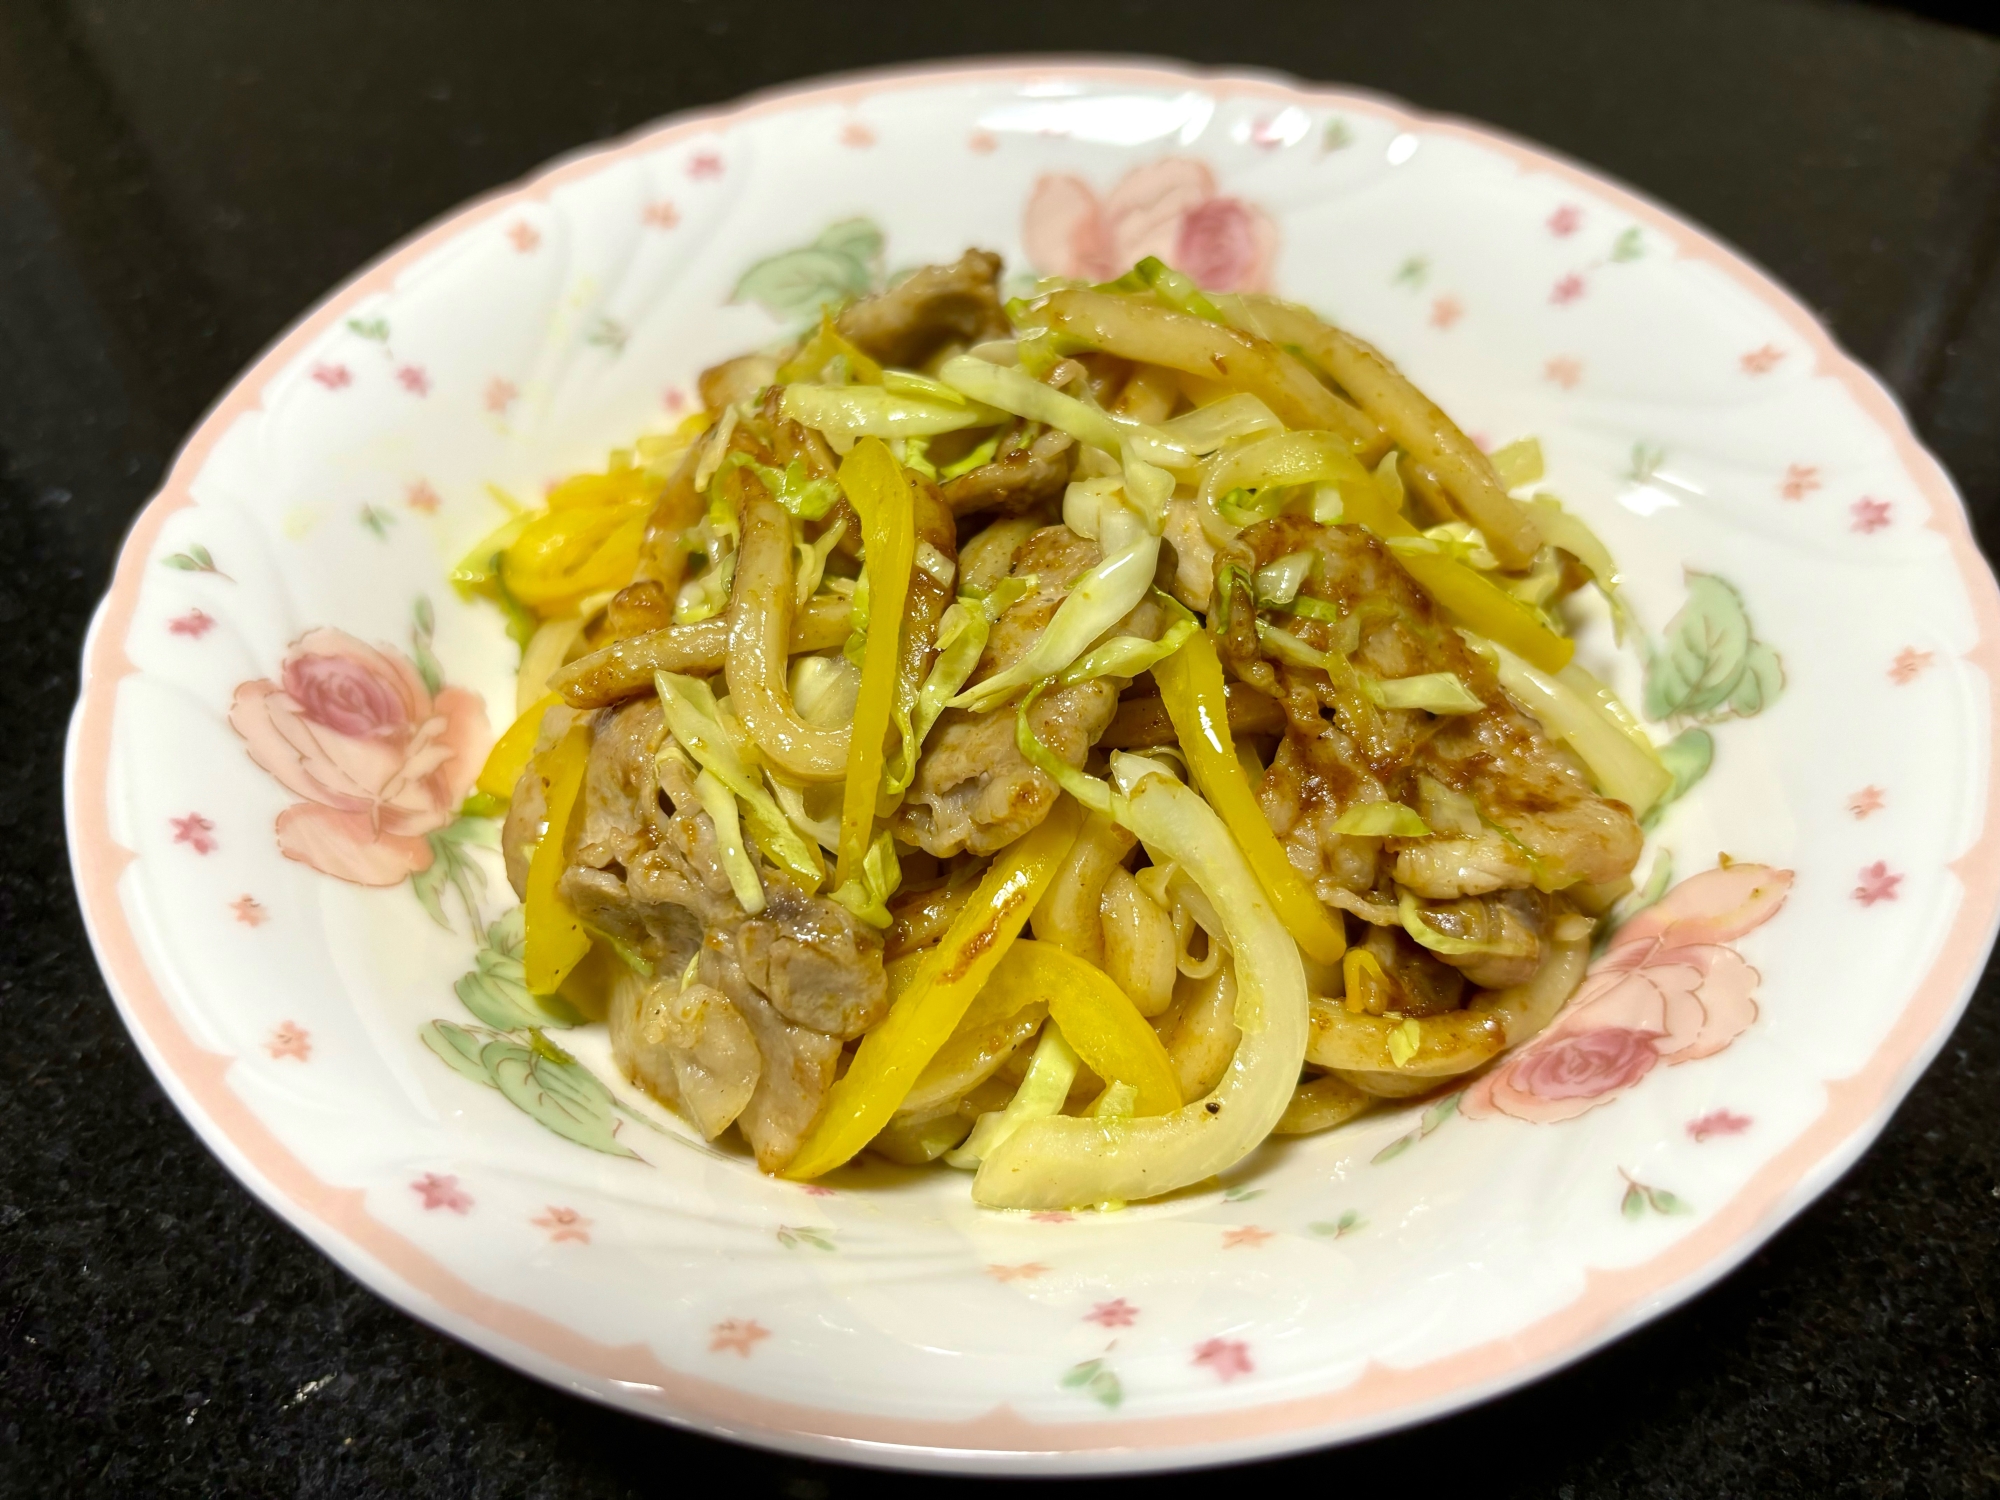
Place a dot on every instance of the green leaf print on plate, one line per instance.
(1709, 666)
(496, 989)
(845, 262)
(1096, 1377)
(538, 1078)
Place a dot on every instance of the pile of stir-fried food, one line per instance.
(1074, 738)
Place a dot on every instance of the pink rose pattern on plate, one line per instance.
(380, 758)
(1170, 208)
(1669, 990)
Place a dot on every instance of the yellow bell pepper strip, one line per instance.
(555, 940)
(875, 486)
(1113, 1039)
(817, 351)
(510, 753)
(1191, 687)
(1471, 598)
(894, 1054)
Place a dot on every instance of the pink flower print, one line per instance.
(674, 398)
(1668, 990)
(195, 831)
(524, 235)
(499, 395)
(1026, 1271)
(1567, 290)
(1800, 481)
(985, 142)
(1226, 1358)
(1908, 664)
(856, 135)
(1877, 884)
(737, 1336)
(1761, 361)
(442, 1192)
(563, 1224)
(1268, 134)
(814, 1190)
(333, 377)
(1869, 515)
(704, 164)
(378, 760)
(413, 379)
(289, 1039)
(1169, 208)
(1117, 1313)
(1867, 800)
(422, 498)
(1718, 1122)
(1251, 1235)
(1051, 1216)
(1563, 371)
(1446, 311)
(194, 624)
(660, 214)
(1565, 221)
(249, 911)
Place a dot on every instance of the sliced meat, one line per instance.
(935, 306)
(1025, 474)
(735, 380)
(820, 966)
(973, 788)
(690, 1047)
(798, 1070)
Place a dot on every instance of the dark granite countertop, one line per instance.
(179, 178)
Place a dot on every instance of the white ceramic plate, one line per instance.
(1802, 569)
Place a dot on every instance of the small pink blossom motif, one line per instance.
(1250, 1235)
(814, 1190)
(1563, 371)
(1051, 1216)
(420, 497)
(1869, 515)
(1800, 481)
(379, 761)
(1565, 221)
(674, 399)
(413, 379)
(737, 1336)
(985, 142)
(442, 1192)
(1761, 361)
(333, 377)
(1026, 1271)
(249, 911)
(1567, 290)
(524, 235)
(289, 1040)
(704, 164)
(1717, 1122)
(1867, 800)
(1877, 884)
(1446, 311)
(1225, 1358)
(856, 135)
(1668, 990)
(195, 831)
(563, 1224)
(194, 624)
(1908, 664)
(660, 215)
(1169, 208)
(499, 395)
(1117, 1313)
(1267, 134)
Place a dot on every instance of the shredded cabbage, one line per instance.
(1412, 916)
(1391, 820)
(1041, 1093)
(1434, 692)
(1569, 532)
(719, 802)
(961, 639)
(866, 893)
(1207, 428)
(1519, 463)
(1017, 391)
(1615, 760)
(846, 412)
(696, 725)
(812, 559)
(1278, 583)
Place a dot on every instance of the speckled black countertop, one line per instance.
(179, 178)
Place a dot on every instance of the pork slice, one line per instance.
(934, 306)
(798, 1064)
(1021, 477)
(817, 963)
(689, 1047)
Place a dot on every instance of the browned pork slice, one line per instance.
(933, 307)
(744, 1018)
(1508, 808)
(973, 788)
(1028, 469)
